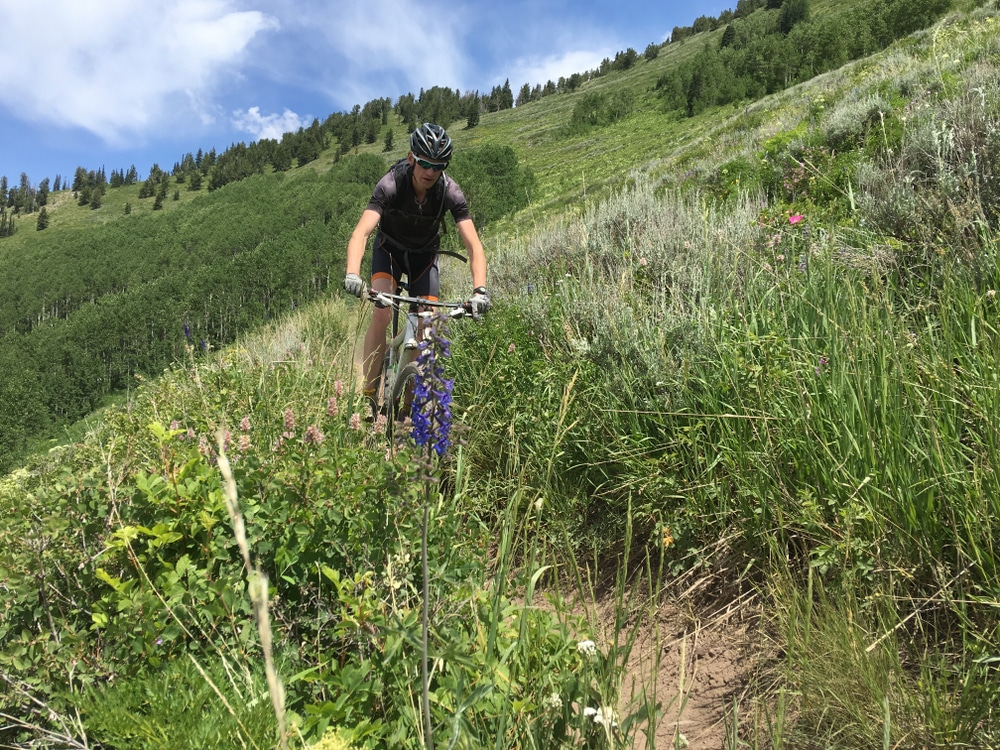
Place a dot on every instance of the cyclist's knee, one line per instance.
(381, 317)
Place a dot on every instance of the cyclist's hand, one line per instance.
(479, 302)
(354, 285)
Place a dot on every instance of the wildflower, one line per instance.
(175, 425)
(823, 362)
(289, 420)
(795, 218)
(338, 388)
(431, 412)
(380, 424)
(187, 331)
(355, 421)
(553, 701)
(590, 711)
(667, 538)
(313, 435)
(245, 424)
(642, 262)
(244, 443)
(539, 503)
(511, 348)
(605, 717)
(332, 407)
(587, 648)
(991, 294)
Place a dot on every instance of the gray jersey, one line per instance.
(407, 223)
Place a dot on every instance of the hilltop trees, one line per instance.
(772, 44)
(6, 222)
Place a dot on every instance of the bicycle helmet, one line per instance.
(431, 141)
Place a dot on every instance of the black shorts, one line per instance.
(421, 268)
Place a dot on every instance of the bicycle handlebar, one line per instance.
(386, 299)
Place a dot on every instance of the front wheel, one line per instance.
(402, 390)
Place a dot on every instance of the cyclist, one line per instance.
(407, 207)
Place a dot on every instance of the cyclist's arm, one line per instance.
(477, 256)
(359, 239)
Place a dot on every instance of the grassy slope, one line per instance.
(581, 167)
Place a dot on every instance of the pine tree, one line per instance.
(728, 37)
(43, 220)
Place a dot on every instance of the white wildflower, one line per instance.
(606, 717)
(587, 648)
(553, 701)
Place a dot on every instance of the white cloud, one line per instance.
(119, 68)
(269, 126)
(540, 70)
(405, 41)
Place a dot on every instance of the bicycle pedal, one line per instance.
(410, 344)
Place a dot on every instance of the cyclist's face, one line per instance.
(425, 177)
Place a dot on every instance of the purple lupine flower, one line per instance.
(432, 392)
(187, 331)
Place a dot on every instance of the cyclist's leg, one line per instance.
(385, 274)
(423, 277)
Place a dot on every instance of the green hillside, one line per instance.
(736, 401)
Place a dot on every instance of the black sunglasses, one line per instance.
(431, 165)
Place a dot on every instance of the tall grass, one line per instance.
(796, 396)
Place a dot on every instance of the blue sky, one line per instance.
(114, 83)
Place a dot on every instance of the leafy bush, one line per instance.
(494, 184)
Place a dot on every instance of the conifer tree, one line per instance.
(43, 220)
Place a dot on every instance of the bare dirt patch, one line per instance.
(694, 659)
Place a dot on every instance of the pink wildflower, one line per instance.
(289, 420)
(338, 388)
(332, 407)
(313, 435)
(795, 218)
(245, 424)
(511, 348)
(244, 443)
(355, 423)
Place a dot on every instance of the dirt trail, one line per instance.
(703, 668)
(703, 661)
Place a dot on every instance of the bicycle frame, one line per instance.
(399, 365)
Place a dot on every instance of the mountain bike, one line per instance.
(399, 367)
